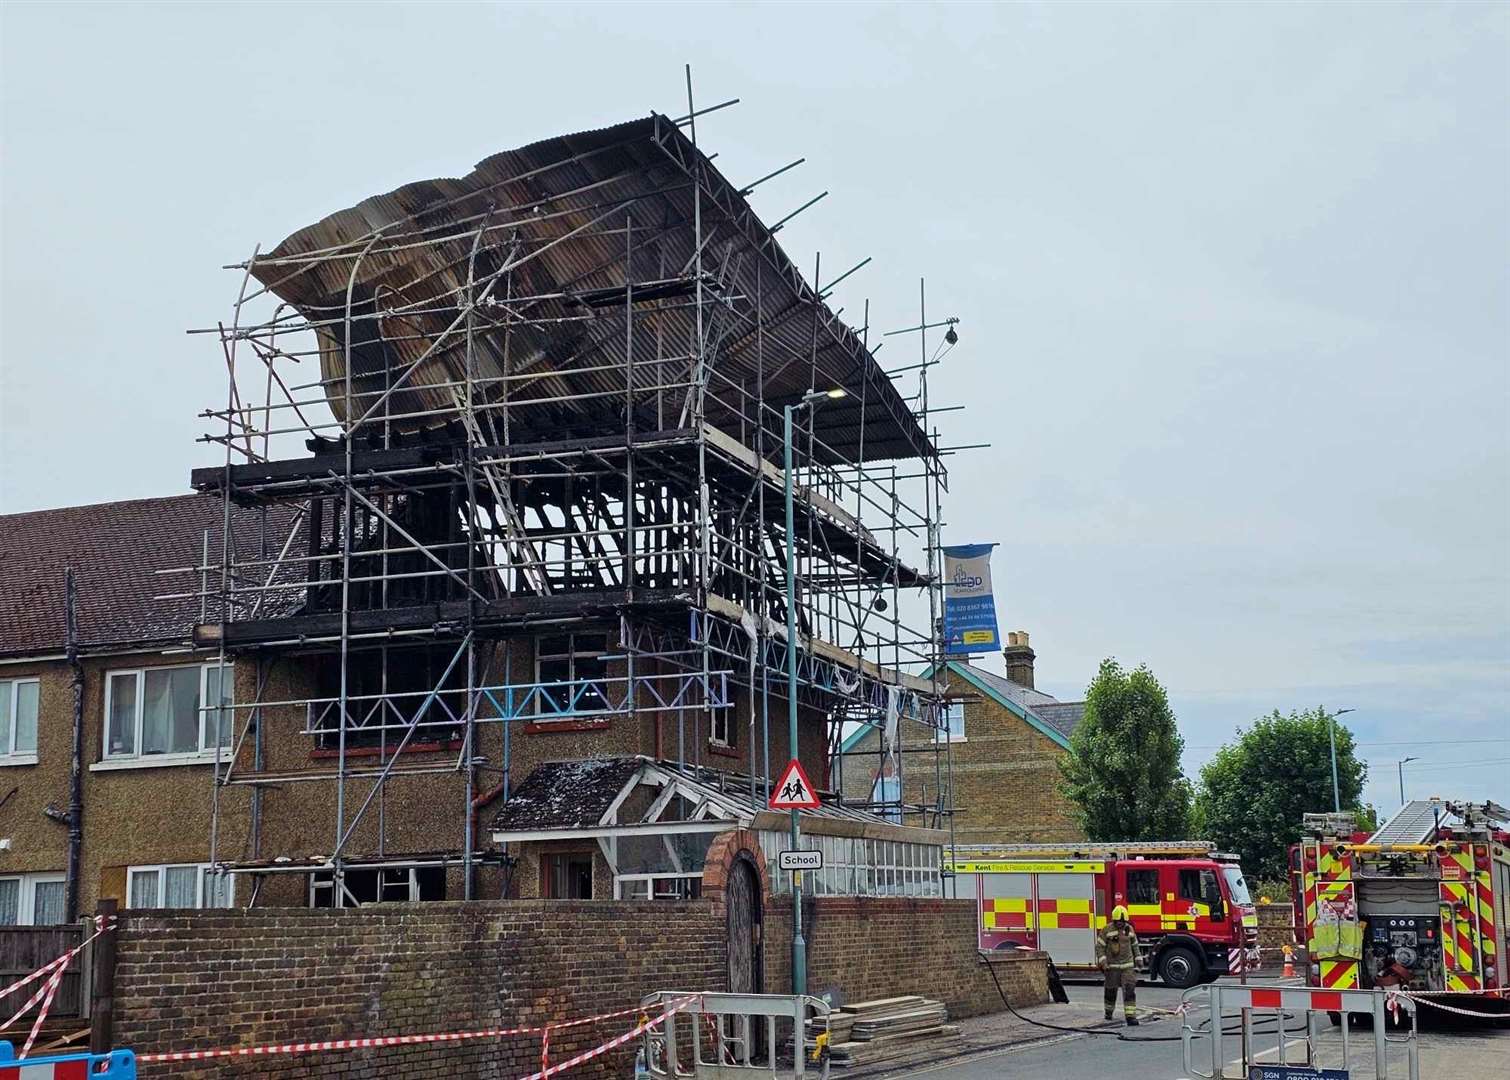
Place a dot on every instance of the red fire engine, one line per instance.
(1422, 904)
(1188, 903)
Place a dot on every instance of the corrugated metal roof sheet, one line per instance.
(413, 249)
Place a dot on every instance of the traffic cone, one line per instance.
(1289, 971)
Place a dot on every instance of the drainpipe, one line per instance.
(76, 766)
(482, 800)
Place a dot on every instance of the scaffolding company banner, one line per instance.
(969, 608)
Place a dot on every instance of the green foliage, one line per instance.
(1255, 791)
(1123, 770)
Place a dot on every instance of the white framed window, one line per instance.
(953, 729)
(178, 885)
(18, 721)
(571, 672)
(721, 726)
(167, 712)
(888, 790)
(33, 899)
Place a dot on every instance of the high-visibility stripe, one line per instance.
(1339, 974)
(77, 1069)
(1484, 891)
(1457, 928)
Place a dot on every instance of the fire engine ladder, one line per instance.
(1152, 849)
(1413, 823)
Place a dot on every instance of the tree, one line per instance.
(1255, 791)
(1123, 770)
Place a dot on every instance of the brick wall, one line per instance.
(195, 980)
(201, 980)
(883, 946)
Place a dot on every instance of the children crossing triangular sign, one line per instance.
(794, 791)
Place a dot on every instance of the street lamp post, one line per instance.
(1400, 767)
(1332, 738)
(799, 943)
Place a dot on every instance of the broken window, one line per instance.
(572, 675)
(380, 885)
(721, 726)
(386, 690)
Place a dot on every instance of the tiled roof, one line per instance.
(115, 550)
(1062, 716)
(1055, 718)
(565, 794)
(1024, 696)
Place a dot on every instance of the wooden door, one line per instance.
(743, 911)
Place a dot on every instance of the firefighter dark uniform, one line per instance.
(1116, 955)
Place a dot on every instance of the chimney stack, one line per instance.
(1019, 656)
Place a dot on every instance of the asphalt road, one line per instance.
(1152, 1050)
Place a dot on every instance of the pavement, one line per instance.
(1003, 1045)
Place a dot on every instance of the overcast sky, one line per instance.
(1233, 283)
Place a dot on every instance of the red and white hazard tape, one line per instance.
(101, 925)
(375, 1041)
(334, 1044)
(1392, 998)
(54, 971)
(633, 1033)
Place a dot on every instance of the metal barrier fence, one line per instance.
(1203, 1043)
(734, 1037)
(116, 1065)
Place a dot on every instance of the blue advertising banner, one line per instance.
(969, 607)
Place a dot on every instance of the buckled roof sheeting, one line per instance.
(557, 209)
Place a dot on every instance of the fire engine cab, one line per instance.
(1422, 904)
(1188, 903)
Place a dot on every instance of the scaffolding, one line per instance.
(549, 400)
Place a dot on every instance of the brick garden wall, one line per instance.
(192, 980)
(883, 946)
(205, 979)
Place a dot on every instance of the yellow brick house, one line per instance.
(1007, 738)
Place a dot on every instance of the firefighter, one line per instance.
(1117, 955)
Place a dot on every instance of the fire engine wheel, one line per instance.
(1180, 968)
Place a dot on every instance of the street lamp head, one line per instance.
(1340, 712)
(823, 395)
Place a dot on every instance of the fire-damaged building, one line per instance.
(489, 595)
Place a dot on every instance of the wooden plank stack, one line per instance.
(869, 1031)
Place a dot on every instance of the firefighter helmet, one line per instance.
(1119, 914)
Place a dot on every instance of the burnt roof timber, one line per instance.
(739, 213)
(492, 618)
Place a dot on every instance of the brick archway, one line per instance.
(725, 850)
(734, 878)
